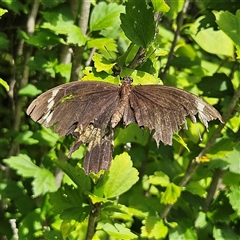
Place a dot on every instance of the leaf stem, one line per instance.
(92, 220)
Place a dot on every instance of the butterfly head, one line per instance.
(126, 81)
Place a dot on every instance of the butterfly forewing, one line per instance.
(163, 109)
(76, 102)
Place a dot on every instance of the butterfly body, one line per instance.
(90, 110)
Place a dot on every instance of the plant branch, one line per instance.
(78, 51)
(92, 220)
(176, 36)
(30, 25)
(213, 188)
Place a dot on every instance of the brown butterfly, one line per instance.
(90, 110)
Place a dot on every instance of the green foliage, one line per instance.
(142, 195)
(137, 23)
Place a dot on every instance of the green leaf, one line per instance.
(225, 232)
(171, 194)
(76, 174)
(196, 188)
(44, 38)
(64, 70)
(3, 11)
(201, 220)
(176, 6)
(154, 228)
(179, 139)
(4, 84)
(230, 24)
(221, 148)
(105, 15)
(160, 6)
(212, 41)
(22, 164)
(159, 178)
(233, 159)
(234, 197)
(29, 90)
(120, 177)
(25, 138)
(4, 41)
(61, 21)
(68, 201)
(102, 64)
(92, 75)
(138, 23)
(133, 134)
(43, 182)
(75, 36)
(183, 231)
(103, 43)
(119, 231)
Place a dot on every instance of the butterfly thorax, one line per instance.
(124, 93)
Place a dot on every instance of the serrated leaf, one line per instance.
(44, 38)
(234, 197)
(120, 177)
(102, 64)
(103, 43)
(154, 228)
(43, 182)
(105, 15)
(75, 36)
(68, 201)
(76, 174)
(138, 23)
(119, 231)
(171, 194)
(22, 164)
(233, 159)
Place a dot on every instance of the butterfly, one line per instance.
(91, 110)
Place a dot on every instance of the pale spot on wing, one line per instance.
(200, 106)
(51, 101)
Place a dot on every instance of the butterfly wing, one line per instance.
(82, 109)
(164, 109)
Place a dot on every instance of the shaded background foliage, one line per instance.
(149, 192)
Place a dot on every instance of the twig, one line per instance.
(213, 188)
(78, 51)
(176, 36)
(92, 221)
(30, 25)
